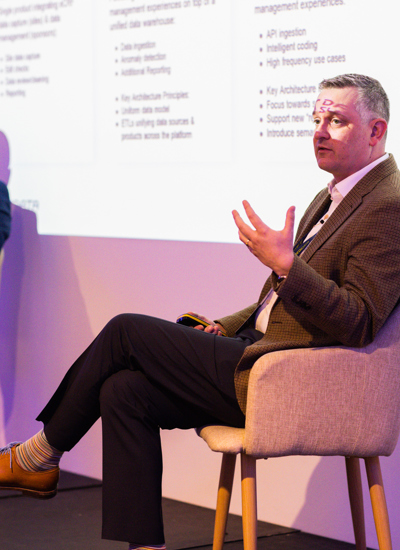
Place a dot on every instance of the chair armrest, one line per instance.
(324, 401)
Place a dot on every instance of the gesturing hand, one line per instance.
(273, 248)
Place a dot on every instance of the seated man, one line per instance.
(337, 286)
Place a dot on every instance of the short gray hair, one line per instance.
(373, 101)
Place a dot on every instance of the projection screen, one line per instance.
(153, 119)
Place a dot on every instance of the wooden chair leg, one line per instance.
(356, 501)
(223, 499)
(378, 501)
(249, 502)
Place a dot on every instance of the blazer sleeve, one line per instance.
(232, 323)
(349, 287)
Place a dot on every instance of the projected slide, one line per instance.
(153, 119)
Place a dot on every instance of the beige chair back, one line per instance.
(327, 401)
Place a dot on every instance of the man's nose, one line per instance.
(321, 132)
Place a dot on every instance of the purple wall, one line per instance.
(58, 292)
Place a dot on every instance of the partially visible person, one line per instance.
(5, 206)
(5, 215)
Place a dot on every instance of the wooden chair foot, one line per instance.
(378, 501)
(223, 499)
(356, 501)
(249, 502)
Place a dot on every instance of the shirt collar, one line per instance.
(340, 190)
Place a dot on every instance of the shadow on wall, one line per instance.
(24, 222)
(327, 493)
(43, 322)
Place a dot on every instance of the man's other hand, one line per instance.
(212, 328)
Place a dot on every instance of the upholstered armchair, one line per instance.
(318, 401)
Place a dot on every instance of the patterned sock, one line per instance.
(37, 454)
(147, 547)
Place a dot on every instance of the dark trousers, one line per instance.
(141, 374)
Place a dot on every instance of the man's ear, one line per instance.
(378, 130)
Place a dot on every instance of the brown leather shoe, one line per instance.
(32, 484)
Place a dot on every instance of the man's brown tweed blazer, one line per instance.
(346, 282)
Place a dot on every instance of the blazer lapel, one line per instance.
(348, 205)
(339, 216)
(316, 210)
